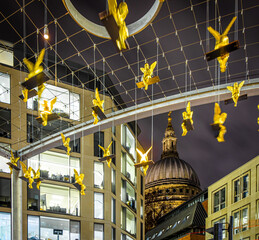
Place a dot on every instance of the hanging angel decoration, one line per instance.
(144, 162)
(47, 110)
(66, 143)
(36, 177)
(34, 69)
(120, 13)
(235, 90)
(79, 180)
(98, 107)
(219, 119)
(106, 154)
(187, 124)
(13, 162)
(27, 174)
(222, 40)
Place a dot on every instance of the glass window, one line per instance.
(5, 88)
(141, 209)
(128, 194)
(241, 188)
(5, 226)
(33, 227)
(5, 123)
(59, 199)
(6, 55)
(222, 220)
(113, 211)
(47, 224)
(3, 166)
(5, 192)
(219, 200)
(241, 220)
(98, 205)
(98, 231)
(128, 140)
(74, 106)
(125, 237)
(127, 167)
(141, 185)
(98, 140)
(113, 233)
(128, 221)
(74, 230)
(113, 187)
(98, 175)
(33, 198)
(55, 166)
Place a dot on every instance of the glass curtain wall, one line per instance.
(128, 140)
(5, 226)
(127, 167)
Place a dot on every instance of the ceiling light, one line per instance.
(46, 32)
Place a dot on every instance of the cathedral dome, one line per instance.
(171, 170)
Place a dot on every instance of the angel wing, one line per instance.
(40, 58)
(24, 168)
(12, 156)
(67, 140)
(34, 173)
(101, 148)
(109, 145)
(217, 110)
(229, 26)
(148, 151)
(230, 88)
(52, 102)
(241, 85)
(97, 95)
(76, 174)
(188, 107)
(112, 5)
(29, 64)
(152, 67)
(140, 153)
(142, 70)
(215, 34)
(63, 137)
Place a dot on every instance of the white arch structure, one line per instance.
(159, 106)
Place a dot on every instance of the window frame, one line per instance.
(219, 190)
(240, 195)
(240, 227)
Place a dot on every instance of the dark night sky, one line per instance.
(211, 160)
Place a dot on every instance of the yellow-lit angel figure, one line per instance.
(34, 69)
(36, 175)
(79, 180)
(187, 116)
(47, 110)
(235, 90)
(27, 174)
(144, 159)
(107, 154)
(148, 73)
(66, 143)
(14, 161)
(120, 13)
(219, 119)
(97, 102)
(221, 41)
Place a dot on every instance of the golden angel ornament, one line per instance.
(221, 41)
(36, 177)
(120, 13)
(66, 143)
(97, 102)
(187, 120)
(27, 174)
(47, 110)
(79, 180)
(235, 90)
(144, 162)
(34, 69)
(148, 73)
(107, 154)
(13, 161)
(219, 119)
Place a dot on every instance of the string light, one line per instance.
(46, 32)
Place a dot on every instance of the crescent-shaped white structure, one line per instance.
(100, 31)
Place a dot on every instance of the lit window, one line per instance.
(128, 194)
(241, 188)
(33, 227)
(113, 182)
(113, 210)
(98, 205)
(98, 140)
(98, 175)
(98, 231)
(67, 104)
(5, 226)
(6, 54)
(127, 167)
(220, 200)
(3, 166)
(241, 220)
(128, 140)
(5, 88)
(128, 221)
